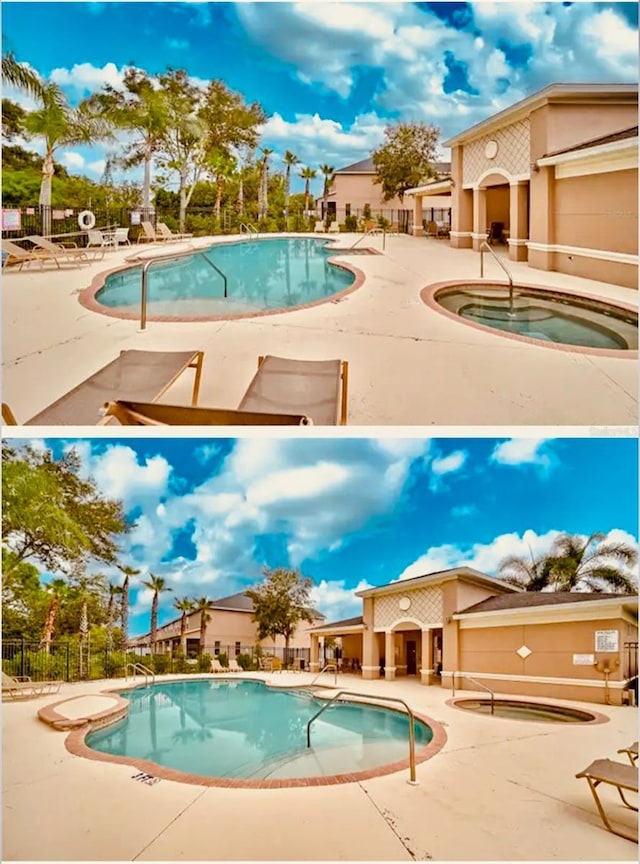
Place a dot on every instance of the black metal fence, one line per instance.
(68, 660)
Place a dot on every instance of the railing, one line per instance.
(412, 731)
(376, 230)
(484, 247)
(326, 669)
(144, 285)
(249, 228)
(144, 670)
(473, 681)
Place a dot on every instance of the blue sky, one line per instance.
(351, 512)
(331, 75)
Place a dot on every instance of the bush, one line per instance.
(160, 663)
(114, 664)
(180, 663)
(204, 663)
(366, 211)
(223, 659)
(351, 223)
(245, 661)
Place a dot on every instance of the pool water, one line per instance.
(261, 275)
(244, 729)
(514, 710)
(545, 315)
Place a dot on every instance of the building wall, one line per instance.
(567, 125)
(358, 190)
(513, 155)
(426, 607)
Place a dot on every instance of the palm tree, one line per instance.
(222, 168)
(327, 172)
(114, 591)
(575, 564)
(157, 584)
(307, 175)
(20, 75)
(58, 591)
(203, 605)
(184, 606)
(128, 572)
(263, 188)
(290, 159)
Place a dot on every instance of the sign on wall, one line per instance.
(135, 217)
(584, 659)
(607, 641)
(11, 220)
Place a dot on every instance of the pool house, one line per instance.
(449, 627)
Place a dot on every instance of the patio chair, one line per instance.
(443, 229)
(149, 234)
(129, 413)
(431, 229)
(144, 375)
(96, 238)
(168, 234)
(216, 665)
(22, 687)
(18, 255)
(334, 228)
(632, 752)
(234, 666)
(319, 227)
(276, 664)
(621, 777)
(121, 237)
(495, 232)
(61, 251)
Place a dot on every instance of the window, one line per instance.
(237, 648)
(216, 647)
(347, 209)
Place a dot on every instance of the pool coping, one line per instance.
(597, 717)
(76, 745)
(428, 297)
(87, 296)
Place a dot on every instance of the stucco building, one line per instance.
(559, 170)
(462, 622)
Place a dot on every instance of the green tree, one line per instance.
(263, 189)
(54, 515)
(127, 572)
(114, 592)
(406, 158)
(307, 175)
(290, 159)
(13, 117)
(576, 564)
(157, 584)
(20, 75)
(183, 605)
(327, 172)
(58, 591)
(203, 606)
(280, 603)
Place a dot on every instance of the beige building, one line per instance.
(461, 623)
(353, 189)
(231, 630)
(559, 171)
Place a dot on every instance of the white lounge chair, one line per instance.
(121, 237)
(319, 228)
(216, 666)
(334, 228)
(234, 666)
(97, 238)
(167, 234)
(22, 687)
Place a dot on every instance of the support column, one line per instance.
(461, 203)
(479, 218)
(518, 220)
(418, 230)
(370, 655)
(389, 656)
(314, 664)
(542, 218)
(426, 670)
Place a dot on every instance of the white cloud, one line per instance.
(119, 474)
(72, 160)
(336, 601)
(523, 451)
(450, 463)
(85, 78)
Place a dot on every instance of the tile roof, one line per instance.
(366, 166)
(345, 622)
(528, 599)
(631, 132)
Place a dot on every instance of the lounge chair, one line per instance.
(149, 234)
(234, 666)
(216, 665)
(68, 252)
(618, 775)
(121, 237)
(144, 375)
(96, 239)
(632, 752)
(319, 227)
(494, 234)
(22, 687)
(282, 393)
(276, 664)
(334, 228)
(431, 229)
(168, 234)
(19, 255)
(443, 229)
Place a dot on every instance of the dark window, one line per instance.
(237, 648)
(347, 209)
(216, 647)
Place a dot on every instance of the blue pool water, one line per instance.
(264, 274)
(244, 729)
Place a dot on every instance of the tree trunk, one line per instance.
(241, 197)
(154, 622)
(287, 186)
(110, 623)
(49, 624)
(45, 193)
(183, 201)
(124, 613)
(183, 630)
(286, 649)
(146, 185)
(218, 198)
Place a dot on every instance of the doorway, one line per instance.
(412, 668)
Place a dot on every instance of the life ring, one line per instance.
(86, 220)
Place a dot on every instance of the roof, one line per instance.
(345, 622)
(467, 573)
(622, 135)
(555, 92)
(366, 166)
(529, 599)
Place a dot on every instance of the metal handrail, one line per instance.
(144, 670)
(325, 669)
(144, 285)
(412, 731)
(473, 680)
(484, 247)
(249, 228)
(375, 230)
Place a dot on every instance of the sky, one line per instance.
(350, 513)
(331, 75)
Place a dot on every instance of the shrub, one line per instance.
(180, 663)
(160, 663)
(366, 211)
(114, 664)
(223, 659)
(351, 223)
(245, 661)
(204, 663)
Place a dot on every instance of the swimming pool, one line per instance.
(261, 275)
(247, 730)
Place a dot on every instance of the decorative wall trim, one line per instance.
(460, 234)
(540, 679)
(516, 242)
(584, 252)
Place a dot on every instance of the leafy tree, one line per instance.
(20, 75)
(290, 159)
(406, 158)
(157, 584)
(183, 605)
(263, 189)
(280, 603)
(203, 605)
(307, 175)
(23, 600)
(58, 591)
(575, 564)
(52, 514)
(13, 116)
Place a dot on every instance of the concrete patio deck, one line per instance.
(500, 790)
(409, 365)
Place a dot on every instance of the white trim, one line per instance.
(598, 165)
(521, 179)
(539, 679)
(389, 668)
(584, 252)
(338, 631)
(430, 189)
(515, 242)
(369, 668)
(587, 610)
(495, 170)
(420, 625)
(587, 153)
(460, 234)
(482, 236)
(464, 574)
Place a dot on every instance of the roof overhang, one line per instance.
(625, 607)
(464, 574)
(431, 189)
(337, 631)
(553, 93)
(617, 155)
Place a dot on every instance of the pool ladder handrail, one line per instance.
(144, 285)
(412, 730)
(249, 228)
(144, 670)
(377, 230)
(479, 684)
(485, 247)
(326, 668)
